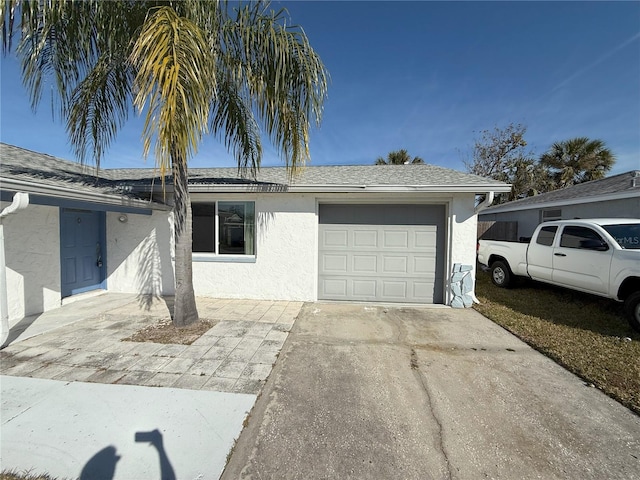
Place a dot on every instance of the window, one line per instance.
(549, 215)
(224, 228)
(546, 235)
(578, 237)
(627, 235)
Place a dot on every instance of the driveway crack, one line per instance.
(415, 367)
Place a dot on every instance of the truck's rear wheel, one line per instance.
(501, 275)
(632, 307)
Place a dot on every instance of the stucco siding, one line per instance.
(139, 256)
(32, 252)
(286, 253)
(286, 263)
(463, 223)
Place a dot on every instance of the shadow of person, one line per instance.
(154, 437)
(102, 466)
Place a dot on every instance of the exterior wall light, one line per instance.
(123, 218)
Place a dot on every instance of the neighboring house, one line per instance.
(617, 196)
(358, 233)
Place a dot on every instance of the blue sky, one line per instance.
(429, 77)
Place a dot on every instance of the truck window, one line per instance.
(546, 235)
(573, 237)
(627, 235)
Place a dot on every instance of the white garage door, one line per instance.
(381, 253)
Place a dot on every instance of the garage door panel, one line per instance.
(423, 290)
(334, 263)
(425, 238)
(400, 259)
(365, 264)
(335, 238)
(424, 265)
(365, 288)
(394, 264)
(365, 238)
(396, 239)
(394, 289)
(335, 288)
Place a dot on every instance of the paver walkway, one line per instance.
(235, 356)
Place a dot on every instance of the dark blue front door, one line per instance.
(82, 250)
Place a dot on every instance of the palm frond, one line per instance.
(282, 76)
(233, 120)
(99, 107)
(175, 83)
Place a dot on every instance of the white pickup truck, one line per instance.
(597, 256)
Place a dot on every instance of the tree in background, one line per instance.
(576, 161)
(398, 157)
(194, 66)
(501, 154)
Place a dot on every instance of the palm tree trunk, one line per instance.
(184, 310)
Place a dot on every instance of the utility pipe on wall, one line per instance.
(20, 202)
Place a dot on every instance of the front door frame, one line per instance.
(101, 236)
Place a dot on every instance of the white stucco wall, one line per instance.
(32, 252)
(139, 254)
(285, 265)
(463, 227)
(140, 260)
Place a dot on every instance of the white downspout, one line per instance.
(488, 200)
(20, 201)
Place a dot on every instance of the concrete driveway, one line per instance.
(427, 393)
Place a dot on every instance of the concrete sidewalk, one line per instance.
(363, 392)
(77, 401)
(97, 431)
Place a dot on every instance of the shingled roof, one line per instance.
(18, 164)
(624, 185)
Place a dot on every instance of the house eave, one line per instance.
(278, 188)
(71, 194)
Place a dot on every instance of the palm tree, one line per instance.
(399, 157)
(193, 67)
(577, 160)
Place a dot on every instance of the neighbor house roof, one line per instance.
(26, 166)
(624, 185)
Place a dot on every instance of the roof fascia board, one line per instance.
(69, 193)
(562, 203)
(86, 205)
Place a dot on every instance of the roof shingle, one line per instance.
(18, 163)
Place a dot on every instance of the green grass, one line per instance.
(585, 334)
(14, 475)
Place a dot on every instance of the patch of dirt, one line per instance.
(165, 332)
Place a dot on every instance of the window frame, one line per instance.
(216, 256)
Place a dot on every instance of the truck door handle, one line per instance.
(559, 254)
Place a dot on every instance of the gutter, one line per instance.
(20, 202)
